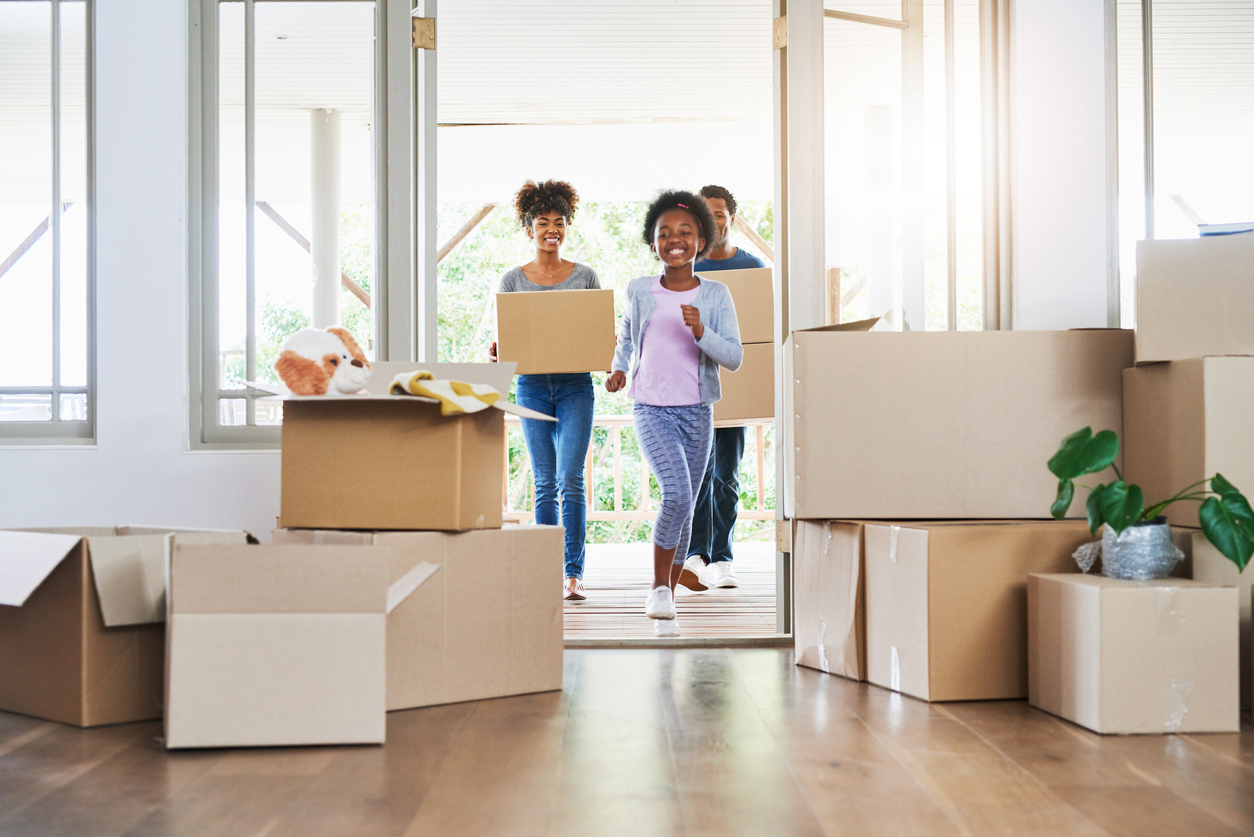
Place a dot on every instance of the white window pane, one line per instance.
(74, 406)
(73, 194)
(33, 407)
(232, 412)
(25, 194)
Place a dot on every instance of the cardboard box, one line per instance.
(749, 392)
(1211, 567)
(394, 462)
(1193, 298)
(489, 624)
(1183, 422)
(279, 645)
(551, 332)
(81, 613)
(1134, 656)
(935, 425)
(753, 294)
(946, 608)
(829, 620)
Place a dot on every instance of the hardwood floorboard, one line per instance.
(691, 742)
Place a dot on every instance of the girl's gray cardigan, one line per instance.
(719, 344)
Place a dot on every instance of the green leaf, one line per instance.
(1094, 507)
(1121, 505)
(1221, 486)
(1066, 491)
(1228, 523)
(1083, 453)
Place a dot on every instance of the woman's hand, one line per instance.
(616, 381)
(492, 353)
(692, 319)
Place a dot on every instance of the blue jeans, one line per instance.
(714, 518)
(558, 452)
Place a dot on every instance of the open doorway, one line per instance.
(622, 101)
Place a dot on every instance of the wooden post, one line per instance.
(757, 240)
(466, 229)
(831, 297)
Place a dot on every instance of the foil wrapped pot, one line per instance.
(1143, 550)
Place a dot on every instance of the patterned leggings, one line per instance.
(676, 443)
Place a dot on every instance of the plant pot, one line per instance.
(1142, 551)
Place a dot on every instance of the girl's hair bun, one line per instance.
(695, 205)
(535, 199)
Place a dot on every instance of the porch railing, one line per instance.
(522, 487)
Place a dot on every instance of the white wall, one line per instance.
(1059, 187)
(140, 471)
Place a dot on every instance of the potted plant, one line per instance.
(1137, 541)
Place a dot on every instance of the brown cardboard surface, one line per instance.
(488, 624)
(1211, 567)
(60, 659)
(266, 672)
(946, 612)
(365, 464)
(933, 425)
(829, 620)
(749, 392)
(1134, 656)
(1193, 298)
(553, 332)
(1183, 422)
(753, 294)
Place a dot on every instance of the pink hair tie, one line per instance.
(682, 205)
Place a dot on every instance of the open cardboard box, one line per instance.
(380, 461)
(279, 645)
(81, 613)
(1194, 297)
(489, 624)
(936, 425)
(554, 332)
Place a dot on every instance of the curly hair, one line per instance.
(694, 205)
(719, 193)
(535, 199)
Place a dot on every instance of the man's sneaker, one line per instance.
(721, 575)
(690, 575)
(658, 604)
(666, 627)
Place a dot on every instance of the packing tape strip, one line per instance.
(894, 531)
(823, 664)
(894, 670)
(827, 539)
(1168, 632)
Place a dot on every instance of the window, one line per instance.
(1186, 123)
(903, 161)
(285, 163)
(46, 298)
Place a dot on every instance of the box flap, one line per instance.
(129, 571)
(26, 559)
(277, 579)
(857, 325)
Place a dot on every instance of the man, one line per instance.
(714, 518)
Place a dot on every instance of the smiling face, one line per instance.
(722, 219)
(677, 238)
(548, 231)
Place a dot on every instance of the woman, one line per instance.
(557, 451)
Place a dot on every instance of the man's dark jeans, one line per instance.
(714, 518)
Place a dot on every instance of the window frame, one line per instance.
(58, 432)
(394, 291)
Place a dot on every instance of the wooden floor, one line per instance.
(617, 578)
(647, 742)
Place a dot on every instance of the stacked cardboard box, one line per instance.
(554, 332)
(391, 583)
(891, 429)
(749, 392)
(1189, 403)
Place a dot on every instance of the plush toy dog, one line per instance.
(318, 362)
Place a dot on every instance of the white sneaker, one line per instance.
(658, 604)
(691, 574)
(721, 575)
(666, 627)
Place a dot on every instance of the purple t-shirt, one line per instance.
(666, 375)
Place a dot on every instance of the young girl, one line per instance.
(557, 451)
(678, 330)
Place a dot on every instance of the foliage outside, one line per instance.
(1226, 517)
